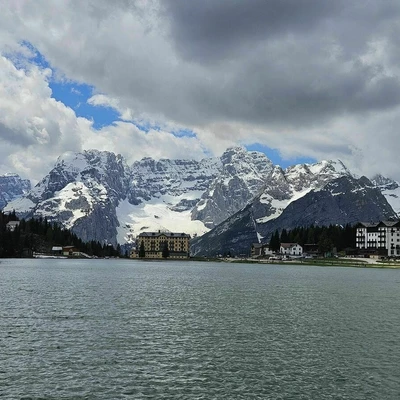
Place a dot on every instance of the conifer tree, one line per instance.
(165, 251)
(274, 243)
(284, 236)
(142, 252)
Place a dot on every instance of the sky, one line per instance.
(300, 80)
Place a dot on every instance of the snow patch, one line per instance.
(393, 198)
(154, 215)
(21, 206)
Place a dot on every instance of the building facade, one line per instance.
(70, 251)
(291, 249)
(260, 250)
(380, 237)
(159, 244)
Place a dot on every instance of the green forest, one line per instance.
(39, 235)
(325, 237)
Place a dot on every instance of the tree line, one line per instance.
(326, 238)
(40, 235)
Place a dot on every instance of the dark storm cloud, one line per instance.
(265, 62)
(211, 30)
(280, 62)
(15, 137)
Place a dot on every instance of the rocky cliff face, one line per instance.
(12, 187)
(175, 178)
(241, 178)
(100, 197)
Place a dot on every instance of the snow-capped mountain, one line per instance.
(12, 186)
(82, 192)
(100, 197)
(285, 186)
(344, 200)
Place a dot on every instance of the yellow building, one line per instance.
(162, 244)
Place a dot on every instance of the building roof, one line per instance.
(289, 245)
(387, 224)
(370, 224)
(390, 223)
(167, 234)
(56, 248)
(13, 223)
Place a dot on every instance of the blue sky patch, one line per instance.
(38, 58)
(276, 158)
(76, 95)
(184, 133)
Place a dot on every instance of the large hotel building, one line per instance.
(382, 236)
(154, 244)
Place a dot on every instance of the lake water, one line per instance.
(122, 329)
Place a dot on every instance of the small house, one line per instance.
(256, 250)
(291, 249)
(70, 251)
(57, 250)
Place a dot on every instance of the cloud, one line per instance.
(35, 128)
(32, 124)
(210, 31)
(102, 100)
(127, 139)
(313, 78)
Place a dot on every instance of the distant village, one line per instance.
(373, 240)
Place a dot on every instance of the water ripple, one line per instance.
(131, 330)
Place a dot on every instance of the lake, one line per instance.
(124, 329)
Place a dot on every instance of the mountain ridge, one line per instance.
(100, 197)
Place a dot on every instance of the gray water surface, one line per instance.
(115, 329)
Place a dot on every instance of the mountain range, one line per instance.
(225, 202)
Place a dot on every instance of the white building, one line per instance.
(381, 236)
(291, 249)
(12, 225)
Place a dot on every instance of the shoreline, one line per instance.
(337, 262)
(320, 262)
